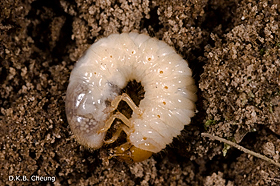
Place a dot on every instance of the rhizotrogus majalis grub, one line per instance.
(106, 67)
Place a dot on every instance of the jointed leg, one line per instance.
(118, 115)
(128, 100)
(110, 121)
(117, 134)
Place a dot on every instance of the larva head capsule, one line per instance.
(86, 111)
(130, 154)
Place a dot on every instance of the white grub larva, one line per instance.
(106, 68)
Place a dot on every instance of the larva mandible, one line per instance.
(106, 68)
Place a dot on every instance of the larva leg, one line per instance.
(117, 134)
(109, 122)
(128, 100)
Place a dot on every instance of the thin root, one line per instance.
(241, 148)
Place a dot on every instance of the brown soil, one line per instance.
(233, 47)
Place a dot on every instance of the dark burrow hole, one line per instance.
(41, 16)
(152, 22)
(218, 15)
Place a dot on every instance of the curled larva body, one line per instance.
(106, 68)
